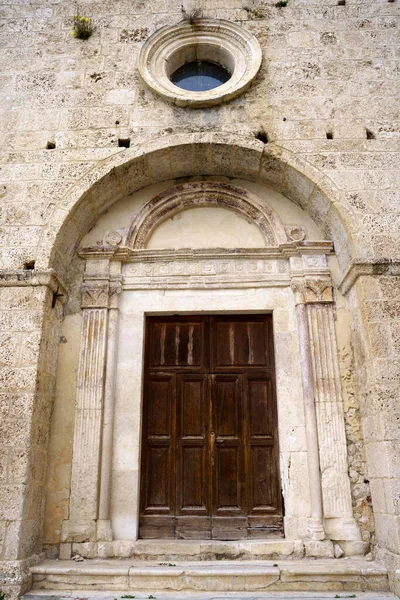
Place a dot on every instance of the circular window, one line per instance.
(200, 64)
(200, 76)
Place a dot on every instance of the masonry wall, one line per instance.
(327, 69)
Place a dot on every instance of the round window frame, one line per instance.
(223, 42)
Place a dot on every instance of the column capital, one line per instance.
(101, 293)
(312, 290)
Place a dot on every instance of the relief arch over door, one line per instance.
(210, 443)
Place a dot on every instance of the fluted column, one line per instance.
(89, 512)
(315, 523)
(315, 304)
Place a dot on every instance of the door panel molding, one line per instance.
(209, 451)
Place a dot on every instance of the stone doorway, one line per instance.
(210, 442)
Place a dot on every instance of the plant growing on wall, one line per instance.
(82, 27)
(191, 15)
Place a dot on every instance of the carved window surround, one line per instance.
(215, 40)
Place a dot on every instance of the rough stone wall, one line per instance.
(377, 340)
(327, 69)
(28, 368)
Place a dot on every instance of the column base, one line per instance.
(315, 530)
(345, 533)
(103, 530)
(339, 528)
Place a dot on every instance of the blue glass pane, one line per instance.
(200, 76)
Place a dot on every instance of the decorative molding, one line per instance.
(310, 251)
(205, 193)
(113, 238)
(217, 273)
(372, 267)
(221, 41)
(295, 233)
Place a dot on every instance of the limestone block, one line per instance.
(388, 531)
(65, 551)
(11, 502)
(77, 532)
(123, 549)
(319, 549)
(85, 549)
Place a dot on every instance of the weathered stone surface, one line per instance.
(318, 132)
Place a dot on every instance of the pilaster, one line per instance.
(92, 446)
(315, 305)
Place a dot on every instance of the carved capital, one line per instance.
(310, 291)
(101, 295)
(318, 290)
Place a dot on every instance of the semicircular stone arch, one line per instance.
(182, 155)
(202, 194)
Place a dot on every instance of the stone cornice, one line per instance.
(34, 278)
(360, 267)
(124, 254)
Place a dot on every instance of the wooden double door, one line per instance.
(209, 442)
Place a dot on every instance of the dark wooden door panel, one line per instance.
(209, 451)
(157, 490)
(239, 343)
(177, 343)
(227, 458)
(192, 443)
(261, 407)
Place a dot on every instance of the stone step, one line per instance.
(340, 575)
(92, 595)
(184, 550)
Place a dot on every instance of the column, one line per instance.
(338, 512)
(315, 314)
(89, 515)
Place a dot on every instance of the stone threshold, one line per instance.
(93, 595)
(161, 549)
(336, 575)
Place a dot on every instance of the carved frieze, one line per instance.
(206, 272)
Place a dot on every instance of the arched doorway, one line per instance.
(287, 259)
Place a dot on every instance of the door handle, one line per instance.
(212, 445)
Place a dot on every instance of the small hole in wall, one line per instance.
(117, 122)
(370, 134)
(341, 3)
(366, 480)
(262, 136)
(29, 265)
(50, 145)
(329, 135)
(124, 142)
(391, 0)
(284, 119)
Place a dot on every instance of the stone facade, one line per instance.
(305, 158)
